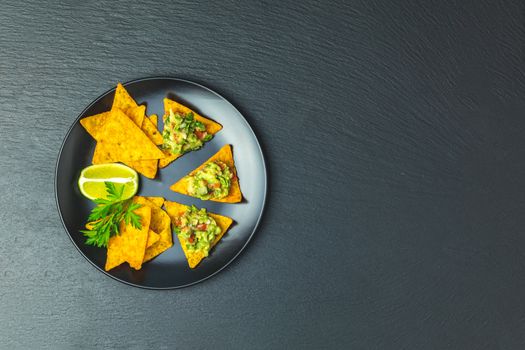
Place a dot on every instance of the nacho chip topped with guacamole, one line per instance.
(215, 180)
(184, 131)
(198, 231)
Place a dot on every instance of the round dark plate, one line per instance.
(169, 269)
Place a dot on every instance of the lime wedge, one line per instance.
(92, 178)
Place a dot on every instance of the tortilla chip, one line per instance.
(146, 167)
(94, 123)
(151, 130)
(149, 167)
(122, 99)
(211, 127)
(121, 140)
(165, 242)
(154, 119)
(137, 114)
(158, 201)
(160, 222)
(130, 244)
(175, 210)
(168, 158)
(159, 219)
(153, 237)
(225, 155)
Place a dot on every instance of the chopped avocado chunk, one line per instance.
(211, 182)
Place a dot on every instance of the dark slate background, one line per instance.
(394, 134)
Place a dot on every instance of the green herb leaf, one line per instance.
(199, 126)
(108, 214)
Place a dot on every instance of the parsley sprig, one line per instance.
(106, 217)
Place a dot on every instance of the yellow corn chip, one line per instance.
(122, 140)
(146, 167)
(175, 210)
(160, 222)
(168, 158)
(225, 155)
(154, 119)
(158, 201)
(164, 243)
(122, 99)
(153, 237)
(211, 127)
(151, 130)
(94, 123)
(159, 219)
(130, 244)
(137, 114)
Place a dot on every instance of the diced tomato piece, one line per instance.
(191, 239)
(200, 134)
(201, 227)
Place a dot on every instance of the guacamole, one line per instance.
(212, 181)
(197, 229)
(182, 133)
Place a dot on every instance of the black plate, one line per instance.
(170, 269)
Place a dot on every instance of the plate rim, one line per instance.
(265, 194)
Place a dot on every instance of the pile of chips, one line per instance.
(124, 134)
(136, 246)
